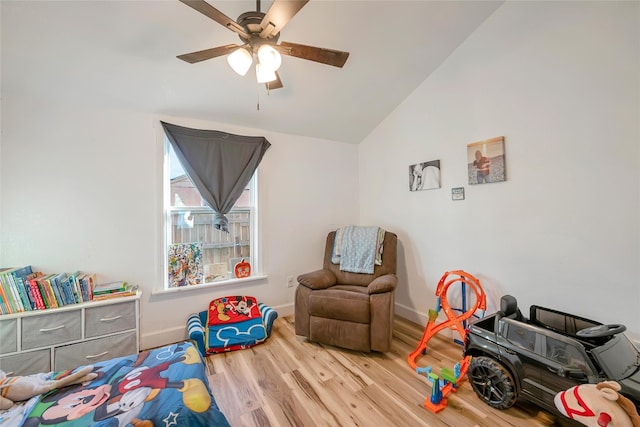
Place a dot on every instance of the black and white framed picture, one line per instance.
(485, 161)
(424, 176)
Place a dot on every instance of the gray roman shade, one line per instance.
(219, 164)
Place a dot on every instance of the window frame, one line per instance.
(168, 210)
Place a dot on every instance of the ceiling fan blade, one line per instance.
(278, 15)
(203, 55)
(276, 84)
(213, 13)
(336, 58)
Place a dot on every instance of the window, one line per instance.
(566, 354)
(521, 337)
(195, 251)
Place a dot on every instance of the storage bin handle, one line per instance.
(55, 328)
(95, 356)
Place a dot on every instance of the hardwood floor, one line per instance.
(288, 381)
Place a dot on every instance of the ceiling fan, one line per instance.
(259, 33)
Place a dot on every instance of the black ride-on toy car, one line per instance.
(533, 359)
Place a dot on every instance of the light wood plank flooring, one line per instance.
(288, 381)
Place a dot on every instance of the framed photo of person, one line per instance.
(424, 176)
(486, 162)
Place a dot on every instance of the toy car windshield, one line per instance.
(618, 357)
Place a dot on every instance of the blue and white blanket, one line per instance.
(356, 248)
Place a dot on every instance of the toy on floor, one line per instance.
(19, 388)
(438, 399)
(598, 405)
(231, 323)
(440, 390)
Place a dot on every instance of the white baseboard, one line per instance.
(179, 333)
(172, 335)
(284, 310)
(164, 337)
(411, 314)
(421, 318)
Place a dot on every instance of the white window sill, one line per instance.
(213, 285)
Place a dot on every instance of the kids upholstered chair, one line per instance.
(347, 309)
(231, 323)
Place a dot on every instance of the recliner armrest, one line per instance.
(319, 279)
(381, 284)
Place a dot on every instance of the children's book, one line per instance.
(24, 295)
(16, 292)
(10, 291)
(90, 282)
(4, 284)
(75, 286)
(57, 291)
(128, 290)
(18, 275)
(27, 288)
(81, 279)
(35, 290)
(57, 281)
(41, 290)
(105, 288)
(66, 286)
(4, 301)
(47, 291)
(60, 279)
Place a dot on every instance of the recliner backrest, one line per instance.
(389, 261)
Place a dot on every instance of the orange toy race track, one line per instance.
(438, 399)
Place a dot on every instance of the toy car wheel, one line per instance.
(492, 382)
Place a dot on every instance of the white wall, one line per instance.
(561, 82)
(80, 186)
(0, 146)
(81, 189)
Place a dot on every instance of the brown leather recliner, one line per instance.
(350, 310)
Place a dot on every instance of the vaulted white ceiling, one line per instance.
(122, 54)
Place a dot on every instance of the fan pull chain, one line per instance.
(258, 97)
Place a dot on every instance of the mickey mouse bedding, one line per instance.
(167, 386)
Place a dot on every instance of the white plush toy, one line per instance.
(19, 388)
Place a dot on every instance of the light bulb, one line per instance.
(264, 75)
(240, 60)
(269, 57)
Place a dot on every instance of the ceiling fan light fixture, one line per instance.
(259, 33)
(240, 60)
(264, 75)
(269, 57)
